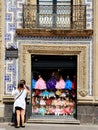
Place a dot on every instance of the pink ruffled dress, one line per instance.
(42, 102)
(68, 111)
(57, 111)
(40, 84)
(60, 84)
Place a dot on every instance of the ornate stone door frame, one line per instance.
(57, 49)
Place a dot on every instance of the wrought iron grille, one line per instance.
(54, 16)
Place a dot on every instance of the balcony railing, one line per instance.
(54, 17)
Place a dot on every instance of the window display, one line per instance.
(54, 96)
(54, 83)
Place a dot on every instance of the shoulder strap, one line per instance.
(19, 95)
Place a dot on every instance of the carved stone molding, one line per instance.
(33, 2)
(52, 33)
(83, 92)
(42, 49)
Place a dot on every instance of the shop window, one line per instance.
(54, 85)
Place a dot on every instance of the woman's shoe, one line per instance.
(23, 126)
(17, 126)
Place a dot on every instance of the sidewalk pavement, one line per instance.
(6, 126)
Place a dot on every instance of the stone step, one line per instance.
(53, 121)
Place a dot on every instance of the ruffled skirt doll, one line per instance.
(33, 83)
(68, 84)
(51, 83)
(42, 101)
(60, 84)
(35, 109)
(45, 93)
(67, 110)
(57, 110)
(42, 110)
(40, 84)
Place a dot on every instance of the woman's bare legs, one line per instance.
(22, 113)
(18, 117)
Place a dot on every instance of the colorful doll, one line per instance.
(33, 83)
(45, 93)
(68, 84)
(42, 110)
(47, 110)
(48, 101)
(63, 95)
(67, 93)
(51, 109)
(54, 102)
(73, 94)
(72, 106)
(59, 102)
(57, 110)
(35, 109)
(51, 82)
(51, 94)
(33, 101)
(67, 101)
(60, 84)
(36, 92)
(67, 110)
(58, 92)
(71, 103)
(37, 101)
(63, 110)
(74, 83)
(42, 101)
(40, 84)
(63, 102)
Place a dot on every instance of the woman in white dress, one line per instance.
(20, 104)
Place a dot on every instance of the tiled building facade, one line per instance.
(81, 43)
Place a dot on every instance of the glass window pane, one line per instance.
(44, 2)
(51, 15)
(65, 2)
(63, 13)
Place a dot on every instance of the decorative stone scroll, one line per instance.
(83, 92)
(45, 49)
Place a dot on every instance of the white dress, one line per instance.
(20, 101)
(15, 93)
